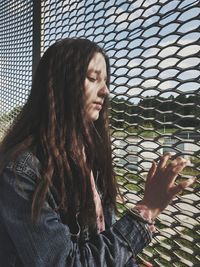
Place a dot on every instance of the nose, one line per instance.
(103, 91)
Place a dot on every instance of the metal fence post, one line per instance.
(36, 34)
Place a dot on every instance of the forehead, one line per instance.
(97, 64)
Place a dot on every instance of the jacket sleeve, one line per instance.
(50, 243)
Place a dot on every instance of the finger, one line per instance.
(152, 171)
(176, 166)
(163, 161)
(178, 160)
(181, 186)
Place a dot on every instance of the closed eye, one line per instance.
(91, 79)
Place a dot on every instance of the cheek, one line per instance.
(89, 92)
(86, 90)
(88, 100)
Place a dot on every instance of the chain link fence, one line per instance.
(155, 97)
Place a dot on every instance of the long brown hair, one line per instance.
(52, 125)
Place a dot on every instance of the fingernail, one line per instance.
(192, 180)
(189, 163)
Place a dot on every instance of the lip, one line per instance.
(98, 105)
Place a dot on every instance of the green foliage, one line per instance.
(155, 111)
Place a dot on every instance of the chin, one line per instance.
(94, 116)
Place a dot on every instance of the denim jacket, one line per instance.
(48, 242)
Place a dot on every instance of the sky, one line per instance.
(152, 44)
(146, 41)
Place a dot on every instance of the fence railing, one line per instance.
(155, 96)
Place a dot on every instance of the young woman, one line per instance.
(57, 187)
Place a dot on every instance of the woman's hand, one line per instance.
(160, 187)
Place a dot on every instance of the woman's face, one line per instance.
(95, 89)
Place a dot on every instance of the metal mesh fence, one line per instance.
(15, 58)
(153, 47)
